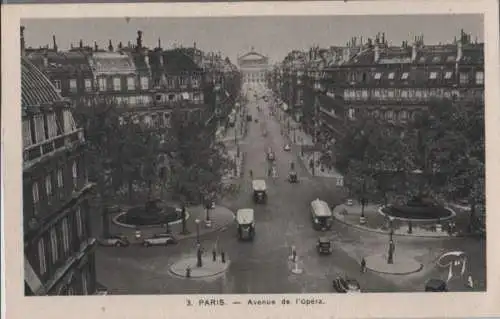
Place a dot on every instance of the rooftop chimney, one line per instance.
(110, 46)
(159, 43)
(139, 39)
(54, 43)
(96, 47)
(45, 60)
(459, 51)
(81, 44)
(23, 43)
(376, 55)
(414, 52)
(120, 45)
(194, 45)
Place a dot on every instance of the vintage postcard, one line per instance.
(319, 160)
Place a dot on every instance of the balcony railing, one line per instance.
(49, 146)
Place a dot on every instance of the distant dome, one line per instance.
(36, 88)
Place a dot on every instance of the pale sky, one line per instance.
(233, 36)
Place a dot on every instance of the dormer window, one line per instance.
(448, 75)
(377, 76)
(57, 84)
(433, 75)
(436, 59)
(404, 76)
(72, 85)
(130, 83)
(88, 85)
(117, 84)
(451, 58)
(391, 76)
(480, 77)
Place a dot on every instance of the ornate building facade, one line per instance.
(253, 67)
(389, 82)
(58, 244)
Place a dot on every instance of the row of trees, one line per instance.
(130, 157)
(438, 154)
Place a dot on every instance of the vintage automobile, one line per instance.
(245, 223)
(343, 284)
(292, 177)
(159, 240)
(259, 191)
(436, 285)
(270, 154)
(324, 246)
(116, 240)
(321, 215)
(287, 148)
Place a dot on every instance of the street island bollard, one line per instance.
(293, 252)
(188, 272)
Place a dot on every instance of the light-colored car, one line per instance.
(159, 239)
(115, 241)
(287, 147)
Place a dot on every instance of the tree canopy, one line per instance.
(439, 152)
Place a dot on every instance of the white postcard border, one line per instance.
(390, 305)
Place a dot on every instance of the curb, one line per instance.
(212, 230)
(335, 215)
(228, 263)
(116, 222)
(397, 273)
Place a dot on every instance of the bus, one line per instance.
(321, 215)
(246, 223)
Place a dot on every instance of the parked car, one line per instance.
(436, 285)
(116, 240)
(346, 285)
(287, 147)
(101, 292)
(159, 239)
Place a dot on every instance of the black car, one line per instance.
(324, 246)
(436, 285)
(346, 285)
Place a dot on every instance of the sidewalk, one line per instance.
(303, 139)
(377, 223)
(220, 216)
(234, 174)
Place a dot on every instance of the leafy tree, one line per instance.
(197, 162)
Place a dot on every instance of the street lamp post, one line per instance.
(197, 221)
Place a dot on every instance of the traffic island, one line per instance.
(187, 267)
(401, 265)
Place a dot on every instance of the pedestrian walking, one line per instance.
(188, 271)
(214, 255)
(251, 174)
(363, 265)
(223, 256)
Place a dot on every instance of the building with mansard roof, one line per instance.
(389, 82)
(253, 67)
(58, 243)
